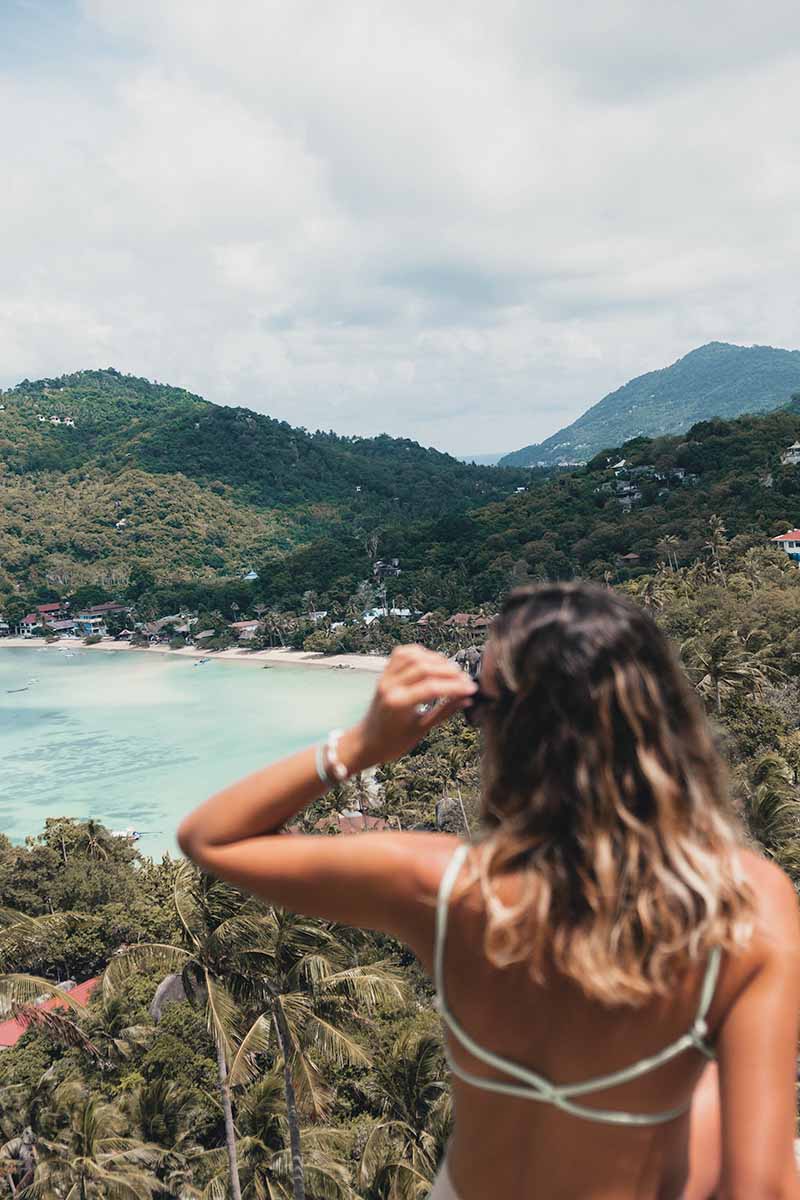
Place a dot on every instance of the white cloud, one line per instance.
(462, 223)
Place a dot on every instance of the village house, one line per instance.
(349, 822)
(791, 455)
(90, 625)
(386, 568)
(65, 626)
(790, 543)
(462, 620)
(375, 614)
(11, 1031)
(244, 631)
(250, 577)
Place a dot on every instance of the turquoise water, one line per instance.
(138, 739)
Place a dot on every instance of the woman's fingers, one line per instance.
(436, 688)
(439, 713)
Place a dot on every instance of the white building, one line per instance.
(791, 455)
(789, 542)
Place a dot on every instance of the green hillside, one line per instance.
(199, 489)
(584, 522)
(716, 380)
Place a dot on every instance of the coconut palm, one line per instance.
(721, 664)
(241, 957)
(667, 546)
(90, 1159)
(409, 1088)
(218, 929)
(265, 1165)
(23, 937)
(773, 804)
(717, 545)
(312, 993)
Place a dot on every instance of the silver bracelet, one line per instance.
(320, 763)
(330, 768)
(334, 765)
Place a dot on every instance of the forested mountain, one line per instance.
(100, 472)
(588, 522)
(716, 380)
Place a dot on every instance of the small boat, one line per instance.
(201, 662)
(11, 691)
(130, 833)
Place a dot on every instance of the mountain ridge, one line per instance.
(101, 471)
(718, 379)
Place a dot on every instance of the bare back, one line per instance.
(505, 1146)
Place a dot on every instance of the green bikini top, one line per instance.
(531, 1085)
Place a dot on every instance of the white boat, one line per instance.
(130, 833)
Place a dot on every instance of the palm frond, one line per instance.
(58, 1027)
(222, 1015)
(369, 986)
(26, 989)
(146, 956)
(244, 1067)
(333, 1044)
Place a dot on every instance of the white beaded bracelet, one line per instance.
(330, 768)
(320, 763)
(334, 764)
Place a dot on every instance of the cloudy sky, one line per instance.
(462, 223)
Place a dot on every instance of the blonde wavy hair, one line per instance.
(602, 788)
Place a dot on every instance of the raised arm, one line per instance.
(368, 880)
(758, 1056)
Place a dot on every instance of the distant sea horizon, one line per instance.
(136, 741)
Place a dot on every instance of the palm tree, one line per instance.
(773, 804)
(90, 1159)
(23, 938)
(217, 931)
(311, 992)
(720, 664)
(667, 546)
(240, 956)
(265, 1164)
(717, 545)
(410, 1090)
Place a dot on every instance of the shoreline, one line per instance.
(276, 657)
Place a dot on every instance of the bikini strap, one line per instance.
(700, 1027)
(442, 902)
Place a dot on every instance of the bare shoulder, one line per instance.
(777, 913)
(426, 855)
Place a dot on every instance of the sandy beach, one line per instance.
(278, 657)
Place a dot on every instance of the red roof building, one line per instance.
(11, 1031)
(350, 823)
(789, 543)
(49, 608)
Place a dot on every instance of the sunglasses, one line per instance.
(480, 703)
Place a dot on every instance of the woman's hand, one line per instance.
(394, 723)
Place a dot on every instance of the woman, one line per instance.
(618, 976)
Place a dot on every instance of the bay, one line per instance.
(138, 739)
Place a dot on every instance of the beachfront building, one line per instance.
(790, 543)
(375, 614)
(244, 631)
(90, 625)
(66, 626)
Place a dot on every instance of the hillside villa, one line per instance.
(789, 542)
